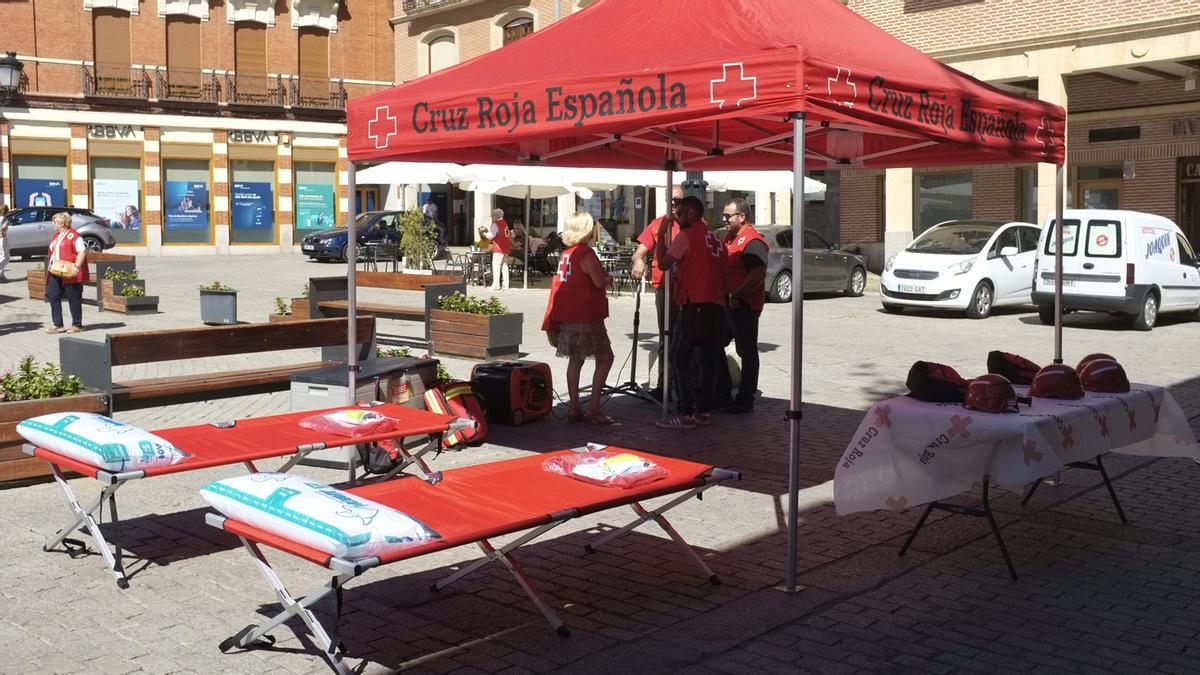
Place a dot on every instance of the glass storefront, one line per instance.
(1099, 187)
(316, 203)
(252, 202)
(39, 180)
(941, 197)
(187, 207)
(117, 195)
(543, 213)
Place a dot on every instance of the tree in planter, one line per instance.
(418, 240)
(282, 308)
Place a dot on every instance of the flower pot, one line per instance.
(144, 304)
(15, 466)
(36, 280)
(300, 308)
(281, 318)
(475, 335)
(112, 288)
(218, 307)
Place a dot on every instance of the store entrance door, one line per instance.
(1189, 198)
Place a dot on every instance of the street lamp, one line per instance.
(10, 77)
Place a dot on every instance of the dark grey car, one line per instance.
(827, 269)
(31, 229)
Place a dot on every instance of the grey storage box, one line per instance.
(381, 379)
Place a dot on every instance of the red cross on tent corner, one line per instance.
(384, 122)
(738, 89)
(843, 93)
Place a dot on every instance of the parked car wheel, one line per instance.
(981, 301)
(893, 309)
(1046, 314)
(781, 287)
(857, 283)
(93, 244)
(1145, 319)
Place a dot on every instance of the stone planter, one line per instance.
(16, 467)
(36, 280)
(300, 307)
(475, 335)
(145, 304)
(218, 307)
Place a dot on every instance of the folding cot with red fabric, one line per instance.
(244, 441)
(472, 505)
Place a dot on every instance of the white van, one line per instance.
(1123, 262)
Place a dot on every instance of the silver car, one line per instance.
(827, 269)
(31, 229)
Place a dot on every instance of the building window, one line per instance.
(250, 60)
(316, 203)
(186, 205)
(40, 180)
(117, 195)
(941, 197)
(314, 67)
(438, 51)
(252, 202)
(516, 29)
(110, 36)
(1098, 187)
(183, 57)
(1029, 195)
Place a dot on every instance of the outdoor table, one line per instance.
(908, 452)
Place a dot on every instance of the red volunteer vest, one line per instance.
(503, 241)
(735, 264)
(700, 274)
(649, 237)
(573, 296)
(66, 251)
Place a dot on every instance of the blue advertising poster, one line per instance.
(186, 204)
(40, 192)
(314, 207)
(253, 206)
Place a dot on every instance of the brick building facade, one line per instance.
(192, 126)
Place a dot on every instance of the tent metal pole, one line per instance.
(1058, 263)
(351, 297)
(666, 357)
(525, 246)
(797, 362)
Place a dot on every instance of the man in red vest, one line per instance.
(698, 287)
(745, 276)
(647, 241)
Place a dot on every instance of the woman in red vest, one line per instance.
(66, 246)
(575, 315)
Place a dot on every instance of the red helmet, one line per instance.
(1105, 376)
(1056, 381)
(1016, 368)
(936, 383)
(991, 393)
(1092, 357)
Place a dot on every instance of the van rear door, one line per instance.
(1101, 267)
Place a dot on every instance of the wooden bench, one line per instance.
(92, 360)
(327, 296)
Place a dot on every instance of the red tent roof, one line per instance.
(617, 83)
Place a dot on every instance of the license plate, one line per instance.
(308, 248)
(1067, 283)
(919, 290)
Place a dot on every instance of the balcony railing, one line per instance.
(179, 84)
(116, 81)
(255, 89)
(426, 6)
(317, 94)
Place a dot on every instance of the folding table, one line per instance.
(472, 505)
(244, 441)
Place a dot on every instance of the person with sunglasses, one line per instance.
(698, 288)
(647, 240)
(745, 280)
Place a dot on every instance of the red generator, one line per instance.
(513, 392)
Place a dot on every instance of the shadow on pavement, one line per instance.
(18, 327)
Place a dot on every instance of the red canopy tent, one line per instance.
(709, 84)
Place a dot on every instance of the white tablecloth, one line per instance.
(908, 452)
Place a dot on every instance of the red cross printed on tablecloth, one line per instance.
(1045, 135)
(738, 89)
(1102, 420)
(1031, 453)
(383, 127)
(843, 93)
(883, 416)
(1132, 419)
(1068, 437)
(958, 427)
(897, 503)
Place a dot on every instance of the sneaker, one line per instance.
(677, 422)
(55, 329)
(75, 329)
(738, 407)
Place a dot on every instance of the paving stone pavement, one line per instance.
(1094, 595)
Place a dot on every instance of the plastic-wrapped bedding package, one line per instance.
(607, 468)
(99, 441)
(351, 422)
(315, 515)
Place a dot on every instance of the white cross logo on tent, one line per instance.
(1045, 135)
(735, 89)
(844, 89)
(383, 119)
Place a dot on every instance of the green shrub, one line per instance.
(131, 291)
(120, 275)
(282, 308)
(417, 239)
(443, 375)
(217, 286)
(305, 294)
(457, 302)
(32, 381)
